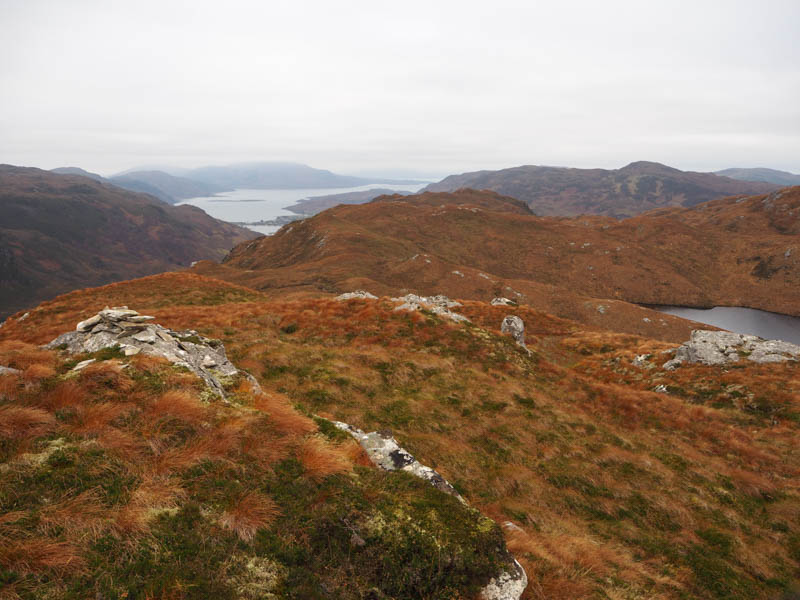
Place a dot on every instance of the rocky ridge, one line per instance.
(134, 333)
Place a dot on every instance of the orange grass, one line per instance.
(248, 514)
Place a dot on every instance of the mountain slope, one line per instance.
(783, 178)
(61, 232)
(166, 187)
(734, 252)
(619, 193)
(605, 487)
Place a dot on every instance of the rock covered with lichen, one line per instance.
(723, 347)
(134, 333)
(439, 305)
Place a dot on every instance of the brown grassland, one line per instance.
(616, 491)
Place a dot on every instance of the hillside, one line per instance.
(61, 232)
(315, 204)
(619, 193)
(783, 178)
(611, 476)
(730, 252)
(166, 187)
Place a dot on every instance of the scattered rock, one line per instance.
(25, 316)
(503, 302)
(660, 389)
(602, 308)
(459, 273)
(83, 364)
(438, 305)
(358, 294)
(641, 360)
(722, 347)
(384, 451)
(515, 326)
(134, 333)
(9, 371)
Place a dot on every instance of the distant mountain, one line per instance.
(61, 232)
(619, 193)
(166, 187)
(279, 175)
(761, 174)
(478, 244)
(315, 204)
(77, 171)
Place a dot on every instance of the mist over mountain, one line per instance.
(166, 187)
(633, 189)
(762, 174)
(280, 175)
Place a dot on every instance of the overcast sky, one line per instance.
(433, 86)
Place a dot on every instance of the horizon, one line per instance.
(443, 89)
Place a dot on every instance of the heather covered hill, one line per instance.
(61, 232)
(612, 476)
(618, 193)
(733, 252)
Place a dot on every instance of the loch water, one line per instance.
(768, 325)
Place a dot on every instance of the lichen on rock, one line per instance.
(134, 333)
(723, 347)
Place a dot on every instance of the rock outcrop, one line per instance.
(502, 302)
(9, 371)
(134, 333)
(514, 326)
(438, 305)
(384, 451)
(358, 294)
(722, 347)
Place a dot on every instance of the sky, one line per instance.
(400, 88)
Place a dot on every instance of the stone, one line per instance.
(25, 316)
(88, 323)
(147, 336)
(9, 371)
(438, 305)
(135, 333)
(358, 295)
(83, 364)
(724, 347)
(641, 360)
(513, 325)
(502, 302)
(509, 585)
(384, 452)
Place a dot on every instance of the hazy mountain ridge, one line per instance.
(631, 190)
(61, 232)
(783, 178)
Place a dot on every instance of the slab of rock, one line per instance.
(384, 452)
(502, 302)
(135, 333)
(358, 294)
(723, 347)
(438, 305)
